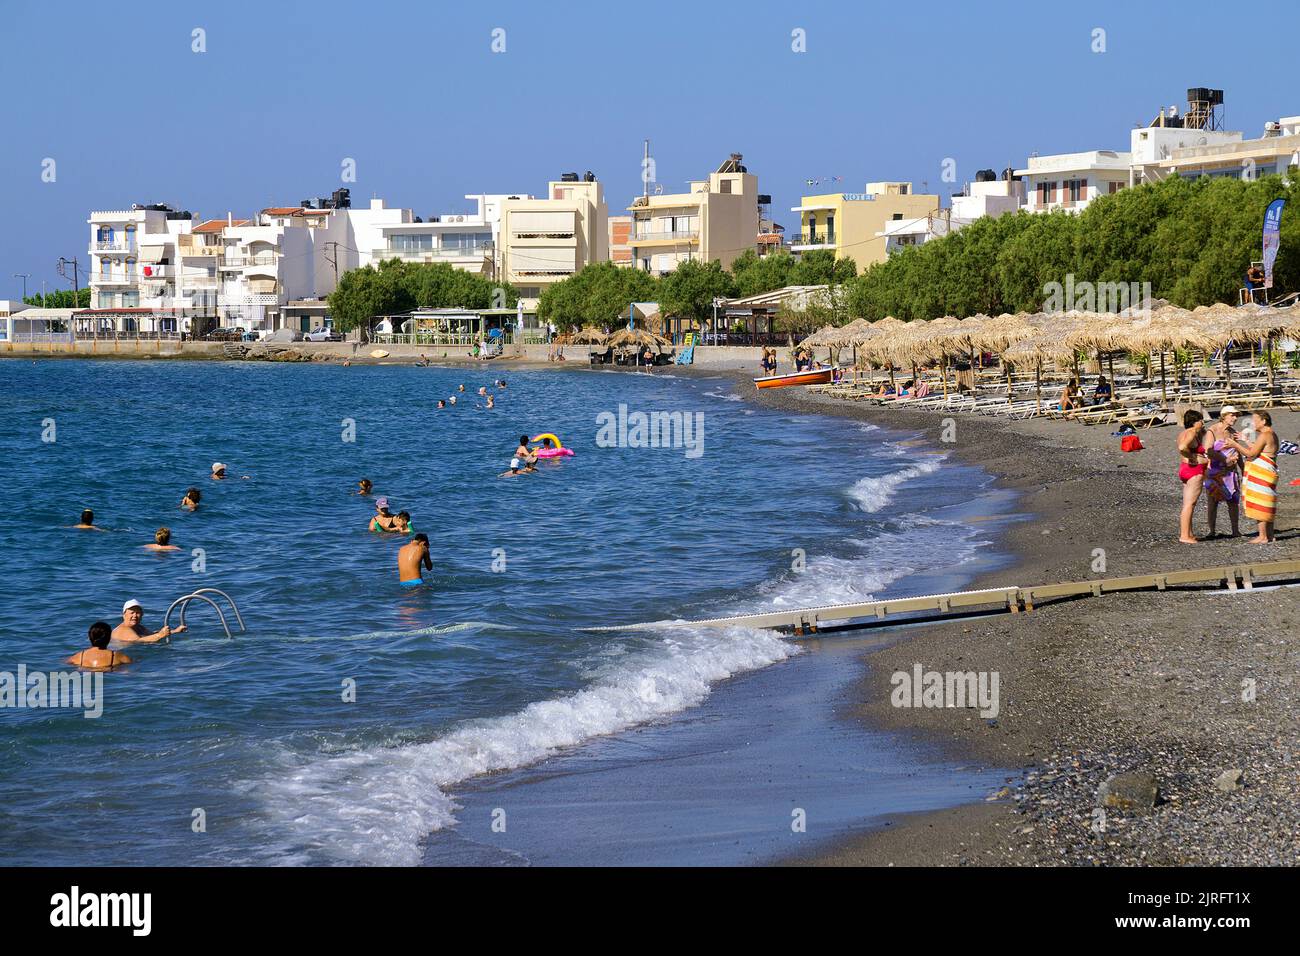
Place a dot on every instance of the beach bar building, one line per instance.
(26, 325)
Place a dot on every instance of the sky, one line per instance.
(105, 105)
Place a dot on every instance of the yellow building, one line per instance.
(717, 219)
(848, 223)
(546, 240)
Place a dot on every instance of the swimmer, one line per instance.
(130, 631)
(514, 469)
(441, 403)
(410, 558)
(501, 383)
(523, 451)
(191, 500)
(460, 388)
(162, 541)
(491, 403)
(452, 400)
(87, 521)
(404, 522)
(364, 486)
(482, 389)
(218, 471)
(383, 520)
(98, 657)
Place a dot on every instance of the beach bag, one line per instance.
(1130, 443)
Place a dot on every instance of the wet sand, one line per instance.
(1149, 682)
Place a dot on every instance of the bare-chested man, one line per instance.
(130, 630)
(87, 522)
(411, 557)
(162, 541)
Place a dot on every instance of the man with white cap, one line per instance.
(130, 631)
(218, 471)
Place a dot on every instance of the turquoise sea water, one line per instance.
(484, 670)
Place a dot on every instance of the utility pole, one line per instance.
(76, 281)
(24, 276)
(332, 257)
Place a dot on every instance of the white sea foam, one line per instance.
(374, 805)
(874, 492)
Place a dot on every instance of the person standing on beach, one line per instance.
(1222, 476)
(411, 557)
(1260, 485)
(1191, 470)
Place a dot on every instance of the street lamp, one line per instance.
(24, 276)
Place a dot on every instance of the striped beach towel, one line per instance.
(1260, 489)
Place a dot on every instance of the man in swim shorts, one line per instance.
(523, 452)
(411, 557)
(130, 630)
(97, 657)
(162, 541)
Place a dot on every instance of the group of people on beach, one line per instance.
(101, 655)
(1236, 469)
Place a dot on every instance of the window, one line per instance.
(830, 228)
(1115, 187)
(1077, 189)
(1046, 193)
(410, 242)
(725, 186)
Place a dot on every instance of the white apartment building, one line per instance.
(133, 257)
(1071, 181)
(465, 240)
(715, 219)
(543, 241)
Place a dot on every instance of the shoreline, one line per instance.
(1147, 682)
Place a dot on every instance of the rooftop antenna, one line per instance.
(645, 164)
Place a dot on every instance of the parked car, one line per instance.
(322, 334)
(224, 335)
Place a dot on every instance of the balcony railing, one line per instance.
(117, 278)
(197, 249)
(652, 236)
(249, 298)
(265, 259)
(114, 245)
(421, 255)
(812, 239)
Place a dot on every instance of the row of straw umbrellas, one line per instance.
(623, 338)
(1032, 339)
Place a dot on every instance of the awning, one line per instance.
(152, 253)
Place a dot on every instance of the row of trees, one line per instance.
(1191, 240)
(62, 299)
(599, 294)
(397, 286)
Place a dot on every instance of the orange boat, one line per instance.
(816, 376)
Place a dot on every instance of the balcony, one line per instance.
(198, 249)
(813, 239)
(113, 245)
(238, 261)
(117, 278)
(248, 298)
(434, 255)
(679, 235)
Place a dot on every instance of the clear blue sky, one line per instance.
(414, 93)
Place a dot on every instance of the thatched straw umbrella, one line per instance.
(1166, 329)
(1046, 344)
(636, 338)
(586, 336)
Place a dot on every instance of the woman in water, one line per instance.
(191, 500)
(383, 520)
(1191, 470)
(364, 486)
(97, 657)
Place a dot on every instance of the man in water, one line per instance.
(130, 630)
(364, 486)
(97, 657)
(191, 500)
(490, 402)
(87, 521)
(411, 557)
(514, 469)
(162, 541)
(218, 471)
(523, 452)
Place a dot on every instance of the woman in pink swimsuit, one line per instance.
(1191, 470)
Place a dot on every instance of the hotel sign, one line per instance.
(857, 197)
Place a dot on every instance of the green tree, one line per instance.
(754, 274)
(689, 290)
(60, 299)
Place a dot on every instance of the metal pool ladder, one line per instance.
(202, 595)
